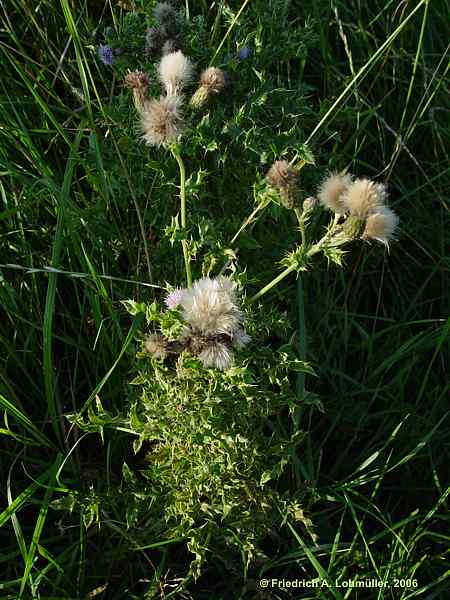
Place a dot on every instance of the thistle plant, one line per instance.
(213, 407)
(198, 262)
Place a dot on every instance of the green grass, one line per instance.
(86, 222)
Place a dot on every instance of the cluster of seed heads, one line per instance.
(163, 119)
(214, 323)
(361, 202)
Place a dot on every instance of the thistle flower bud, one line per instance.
(175, 71)
(381, 225)
(138, 82)
(310, 204)
(164, 12)
(154, 40)
(332, 190)
(162, 121)
(284, 178)
(173, 299)
(212, 81)
(156, 345)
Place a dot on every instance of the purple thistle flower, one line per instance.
(173, 299)
(244, 53)
(106, 55)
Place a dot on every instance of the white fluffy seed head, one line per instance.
(331, 191)
(381, 226)
(156, 345)
(162, 120)
(213, 79)
(364, 197)
(210, 307)
(216, 355)
(175, 72)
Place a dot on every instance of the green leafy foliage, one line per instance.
(215, 444)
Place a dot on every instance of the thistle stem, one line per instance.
(314, 249)
(273, 283)
(184, 243)
(247, 222)
(301, 225)
(301, 325)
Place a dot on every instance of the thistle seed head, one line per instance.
(213, 79)
(164, 11)
(162, 121)
(156, 345)
(169, 29)
(216, 355)
(137, 79)
(175, 71)
(364, 197)
(154, 39)
(171, 45)
(138, 82)
(332, 190)
(381, 226)
(284, 178)
(210, 307)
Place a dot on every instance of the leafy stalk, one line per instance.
(301, 323)
(301, 256)
(176, 153)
